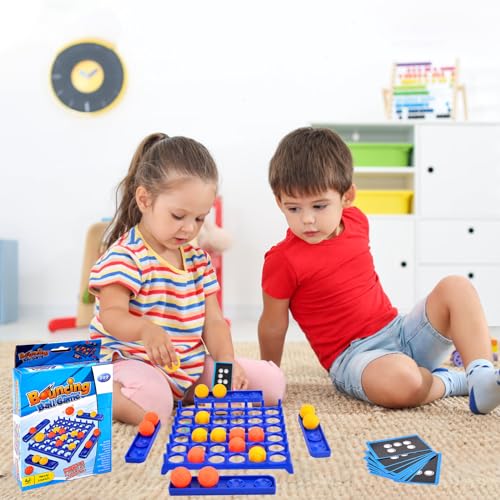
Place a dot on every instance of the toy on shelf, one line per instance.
(228, 435)
(424, 90)
(143, 441)
(456, 359)
(313, 433)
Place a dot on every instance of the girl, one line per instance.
(157, 311)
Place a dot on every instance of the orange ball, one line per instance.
(89, 444)
(208, 477)
(181, 477)
(96, 433)
(196, 455)
(32, 430)
(69, 410)
(237, 432)
(146, 428)
(256, 434)
(237, 445)
(29, 470)
(152, 417)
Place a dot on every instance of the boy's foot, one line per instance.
(455, 383)
(484, 386)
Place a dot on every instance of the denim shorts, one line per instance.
(409, 334)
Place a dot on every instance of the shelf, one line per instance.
(385, 170)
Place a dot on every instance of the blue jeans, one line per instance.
(411, 334)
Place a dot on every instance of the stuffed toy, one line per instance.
(213, 239)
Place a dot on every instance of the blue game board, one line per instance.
(238, 409)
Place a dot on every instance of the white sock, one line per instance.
(455, 382)
(484, 386)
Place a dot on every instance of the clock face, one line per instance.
(88, 76)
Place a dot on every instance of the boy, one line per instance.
(323, 273)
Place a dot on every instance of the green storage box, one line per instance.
(381, 154)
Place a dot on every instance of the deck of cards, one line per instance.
(405, 459)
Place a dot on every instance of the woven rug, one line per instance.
(470, 445)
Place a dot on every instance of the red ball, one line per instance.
(208, 477)
(146, 428)
(256, 434)
(237, 445)
(29, 470)
(70, 410)
(152, 417)
(181, 477)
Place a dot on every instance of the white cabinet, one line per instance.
(486, 280)
(454, 224)
(458, 166)
(392, 241)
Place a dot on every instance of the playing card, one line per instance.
(396, 446)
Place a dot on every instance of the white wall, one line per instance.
(236, 76)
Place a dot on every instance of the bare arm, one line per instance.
(217, 338)
(118, 322)
(273, 325)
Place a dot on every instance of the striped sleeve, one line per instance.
(116, 267)
(210, 282)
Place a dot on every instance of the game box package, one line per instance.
(62, 406)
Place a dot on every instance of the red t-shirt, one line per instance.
(335, 294)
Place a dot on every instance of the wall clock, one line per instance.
(88, 76)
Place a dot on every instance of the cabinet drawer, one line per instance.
(486, 280)
(454, 241)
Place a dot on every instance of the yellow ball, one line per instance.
(257, 454)
(36, 459)
(218, 435)
(174, 368)
(93, 414)
(202, 417)
(39, 437)
(201, 391)
(310, 421)
(219, 390)
(43, 461)
(79, 413)
(199, 435)
(305, 409)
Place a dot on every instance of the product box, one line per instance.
(62, 404)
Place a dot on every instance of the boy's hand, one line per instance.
(240, 381)
(158, 346)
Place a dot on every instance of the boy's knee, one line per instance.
(410, 390)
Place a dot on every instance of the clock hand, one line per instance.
(92, 73)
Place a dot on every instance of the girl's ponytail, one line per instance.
(128, 214)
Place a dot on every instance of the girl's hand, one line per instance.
(158, 346)
(240, 381)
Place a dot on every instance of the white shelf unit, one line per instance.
(455, 224)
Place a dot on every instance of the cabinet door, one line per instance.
(392, 241)
(486, 280)
(457, 241)
(459, 170)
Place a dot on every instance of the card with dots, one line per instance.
(223, 374)
(404, 459)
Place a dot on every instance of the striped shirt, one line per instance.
(169, 297)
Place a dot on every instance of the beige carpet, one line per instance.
(470, 445)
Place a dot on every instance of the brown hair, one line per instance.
(157, 157)
(310, 161)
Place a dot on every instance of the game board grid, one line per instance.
(48, 447)
(233, 411)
